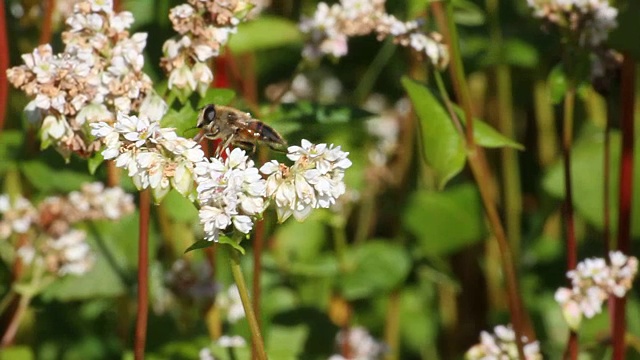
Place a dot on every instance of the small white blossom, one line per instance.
(359, 343)
(230, 302)
(501, 345)
(16, 216)
(315, 180)
(155, 157)
(593, 281)
(230, 191)
(227, 341)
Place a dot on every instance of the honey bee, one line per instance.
(236, 128)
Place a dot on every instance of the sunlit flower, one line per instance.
(205, 27)
(155, 157)
(315, 180)
(100, 68)
(230, 192)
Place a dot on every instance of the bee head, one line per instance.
(207, 115)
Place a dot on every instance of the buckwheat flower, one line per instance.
(155, 157)
(204, 27)
(502, 345)
(360, 344)
(593, 282)
(205, 354)
(588, 21)
(315, 180)
(69, 254)
(330, 27)
(230, 192)
(16, 216)
(235, 341)
(230, 302)
(100, 67)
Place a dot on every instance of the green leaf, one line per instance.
(47, 179)
(377, 266)
(200, 244)
(179, 208)
(10, 144)
(557, 83)
(286, 342)
(231, 242)
(296, 242)
(266, 32)
(467, 13)
(485, 135)
(182, 120)
(418, 327)
(443, 147)
(101, 281)
(17, 353)
(445, 222)
(519, 53)
(218, 96)
(587, 167)
(94, 161)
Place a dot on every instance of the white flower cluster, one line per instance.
(230, 302)
(501, 345)
(359, 343)
(330, 27)
(230, 191)
(593, 281)
(98, 74)
(589, 20)
(50, 239)
(315, 180)
(68, 254)
(205, 27)
(155, 157)
(94, 202)
(16, 216)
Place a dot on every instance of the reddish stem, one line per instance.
(47, 21)
(4, 65)
(143, 275)
(624, 196)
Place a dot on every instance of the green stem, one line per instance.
(571, 351)
(340, 242)
(12, 329)
(392, 326)
(483, 176)
(458, 77)
(509, 159)
(256, 337)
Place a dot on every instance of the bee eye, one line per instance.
(208, 115)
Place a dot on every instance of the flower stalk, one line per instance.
(482, 175)
(143, 275)
(256, 337)
(4, 65)
(624, 196)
